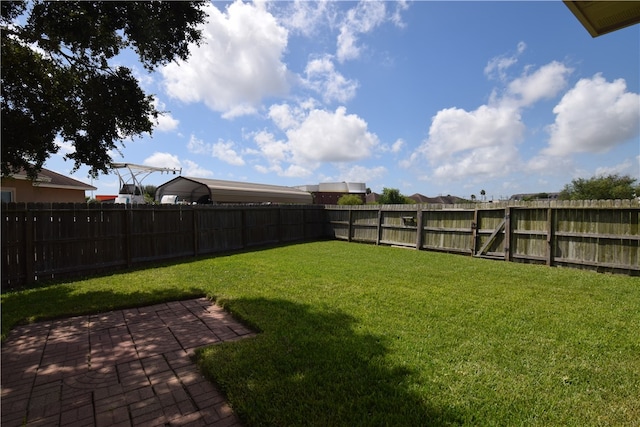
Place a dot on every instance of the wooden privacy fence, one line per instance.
(601, 235)
(54, 241)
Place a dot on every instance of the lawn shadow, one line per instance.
(61, 300)
(314, 367)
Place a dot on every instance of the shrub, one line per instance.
(350, 199)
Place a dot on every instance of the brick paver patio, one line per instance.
(122, 368)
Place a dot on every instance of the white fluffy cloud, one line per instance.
(162, 160)
(396, 17)
(486, 162)
(362, 19)
(190, 168)
(165, 121)
(624, 168)
(396, 147)
(284, 116)
(168, 160)
(497, 66)
(323, 78)
(238, 63)
(273, 150)
(454, 130)
(544, 163)
(594, 116)
(544, 83)
(484, 142)
(312, 137)
(303, 16)
(64, 147)
(222, 150)
(225, 151)
(359, 173)
(331, 137)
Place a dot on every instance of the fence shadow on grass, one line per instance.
(61, 300)
(313, 366)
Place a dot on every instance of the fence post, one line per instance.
(507, 234)
(128, 229)
(279, 225)
(243, 229)
(195, 218)
(29, 272)
(474, 231)
(550, 237)
(304, 223)
(379, 225)
(419, 228)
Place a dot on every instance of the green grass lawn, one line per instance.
(356, 334)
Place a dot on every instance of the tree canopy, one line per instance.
(392, 196)
(609, 187)
(350, 199)
(57, 79)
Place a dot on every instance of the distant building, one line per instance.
(106, 198)
(534, 196)
(49, 187)
(205, 191)
(328, 193)
(445, 200)
(420, 198)
(372, 198)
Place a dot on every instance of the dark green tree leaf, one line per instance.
(391, 196)
(57, 80)
(608, 187)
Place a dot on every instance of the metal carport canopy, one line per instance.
(220, 191)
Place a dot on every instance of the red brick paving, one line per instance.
(122, 368)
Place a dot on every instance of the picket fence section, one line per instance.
(45, 241)
(41, 242)
(601, 235)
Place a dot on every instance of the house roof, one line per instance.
(602, 17)
(447, 200)
(372, 197)
(220, 191)
(50, 179)
(419, 198)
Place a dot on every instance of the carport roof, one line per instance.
(190, 188)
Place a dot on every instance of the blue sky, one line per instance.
(427, 97)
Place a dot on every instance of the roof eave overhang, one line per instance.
(602, 17)
(65, 187)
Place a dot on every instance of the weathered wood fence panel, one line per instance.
(398, 227)
(339, 224)
(54, 241)
(601, 235)
(448, 230)
(217, 233)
